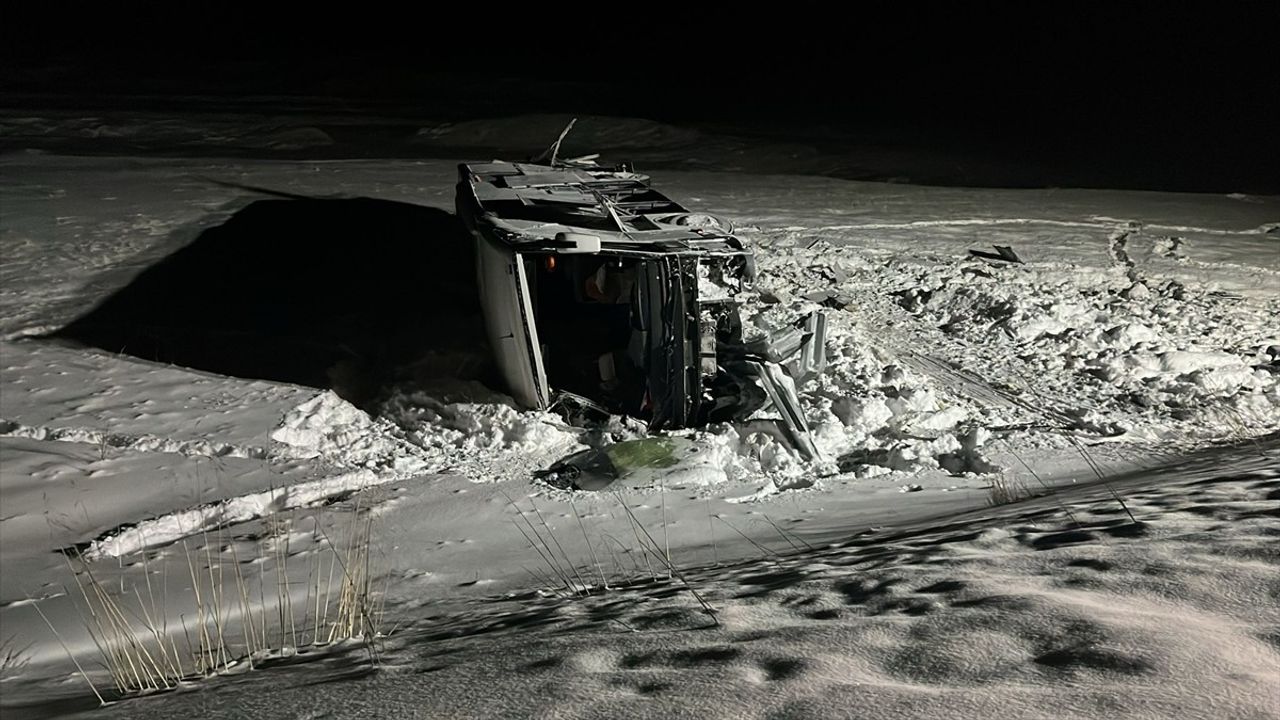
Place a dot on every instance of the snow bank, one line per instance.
(1152, 354)
(416, 435)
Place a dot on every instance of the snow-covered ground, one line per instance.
(1058, 608)
(1139, 340)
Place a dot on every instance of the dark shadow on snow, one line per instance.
(348, 294)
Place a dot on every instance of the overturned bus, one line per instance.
(597, 290)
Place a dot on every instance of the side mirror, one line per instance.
(569, 243)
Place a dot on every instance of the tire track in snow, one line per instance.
(172, 527)
(1095, 223)
(136, 443)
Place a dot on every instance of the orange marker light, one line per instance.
(551, 262)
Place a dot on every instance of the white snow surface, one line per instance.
(1141, 327)
(1059, 608)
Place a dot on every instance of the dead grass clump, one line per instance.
(1005, 489)
(229, 617)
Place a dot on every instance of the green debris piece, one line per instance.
(654, 452)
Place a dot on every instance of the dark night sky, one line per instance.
(1193, 92)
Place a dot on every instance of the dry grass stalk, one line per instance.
(223, 622)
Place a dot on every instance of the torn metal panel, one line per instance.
(801, 347)
(508, 312)
(811, 359)
(781, 390)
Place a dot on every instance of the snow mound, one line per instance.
(485, 441)
(869, 412)
(328, 426)
(1149, 354)
(416, 433)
